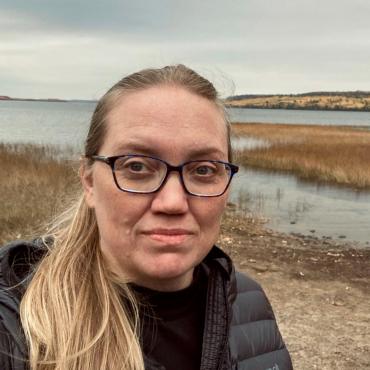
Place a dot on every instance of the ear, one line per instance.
(86, 177)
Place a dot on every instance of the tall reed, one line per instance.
(35, 183)
(332, 154)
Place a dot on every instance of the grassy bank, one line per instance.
(332, 154)
(34, 185)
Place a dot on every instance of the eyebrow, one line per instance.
(197, 153)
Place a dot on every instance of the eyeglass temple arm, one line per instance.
(100, 158)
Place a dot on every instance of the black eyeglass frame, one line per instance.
(170, 168)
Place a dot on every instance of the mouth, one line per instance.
(169, 236)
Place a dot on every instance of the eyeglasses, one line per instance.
(143, 174)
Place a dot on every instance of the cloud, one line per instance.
(78, 48)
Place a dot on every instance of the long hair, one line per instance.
(76, 314)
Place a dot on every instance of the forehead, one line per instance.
(167, 121)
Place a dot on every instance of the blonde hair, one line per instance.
(76, 314)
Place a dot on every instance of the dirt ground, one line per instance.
(319, 289)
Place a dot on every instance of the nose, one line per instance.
(171, 198)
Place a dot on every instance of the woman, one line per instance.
(130, 276)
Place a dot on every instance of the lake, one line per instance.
(293, 206)
(60, 123)
(44, 122)
(289, 205)
(292, 116)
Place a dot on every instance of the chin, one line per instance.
(170, 269)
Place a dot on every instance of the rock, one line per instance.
(337, 302)
(274, 268)
(227, 240)
(333, 254)
(259, 267)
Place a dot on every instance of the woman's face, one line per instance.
(157, 239)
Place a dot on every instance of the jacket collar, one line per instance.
(17, 260)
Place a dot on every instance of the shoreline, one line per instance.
(242, 236)
(319, 290)
(298, 108)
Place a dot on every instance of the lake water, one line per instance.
(290, 205)
(293, 206)
(66, 123)
(316, 117)
(44, 122)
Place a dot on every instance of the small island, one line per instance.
(8, 98)
(50, 100)
(343, 101)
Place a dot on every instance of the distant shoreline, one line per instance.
(352, 101)
(340, 109)
(48, 100)
(356, 101)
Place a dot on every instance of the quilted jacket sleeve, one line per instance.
(12, 345)
(5, 348)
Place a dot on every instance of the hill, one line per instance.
(347, 100)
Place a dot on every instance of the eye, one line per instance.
(205, 170)
(136, 166)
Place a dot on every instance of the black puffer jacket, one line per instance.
(240, 328)
(239, 313)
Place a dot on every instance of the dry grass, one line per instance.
(35, 184)
(333, 154)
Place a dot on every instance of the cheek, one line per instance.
(117, 213)
(209, 212)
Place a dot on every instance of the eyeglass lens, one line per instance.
(144, 174)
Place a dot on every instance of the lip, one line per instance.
(168, 236)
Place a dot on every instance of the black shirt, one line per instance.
(172, 324)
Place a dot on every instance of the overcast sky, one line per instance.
(77, 49)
